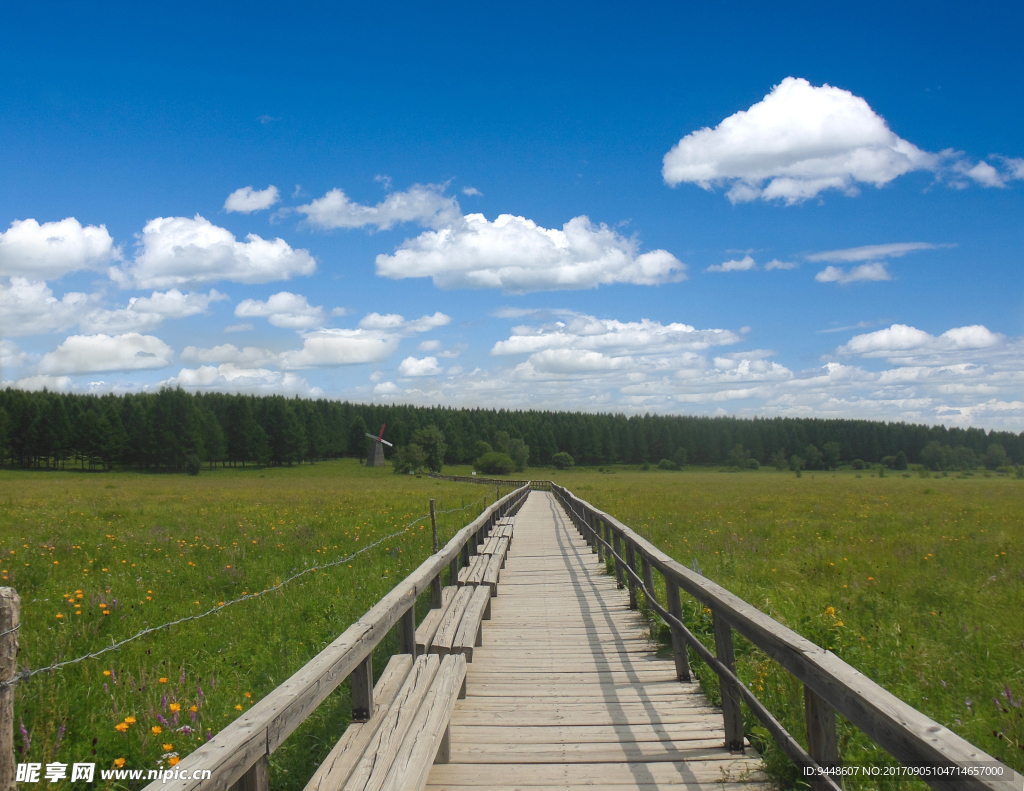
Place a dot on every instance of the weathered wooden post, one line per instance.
(435, 584)
(10, 622)
(631, 561)
(731, 711)
(257, 778)
(618, 565)
(675, 608)
(648, 575)
(362, 690)
(822, 742)
(597, 536)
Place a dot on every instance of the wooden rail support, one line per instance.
(619, 572)
(679, 652)
(407, 630)
(822, 742)
(435, 584)
(257, 778)
(10, 621)
(631, 562)
(598, 525)
(453, 572)
(731, 710)
(648, 574)
(362, 689)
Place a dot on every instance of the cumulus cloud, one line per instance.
(60, 384)
(427, 366)
(247, 200)
(28, 307)
(52, 249)
(248, 357)
(239, 379)
(430, 346)
(517, 255)
(903, 342)
(245, 326)
(873, 252)
(775, 263)
(398, 323)
(331, 347)
(283, 309)
(795, 143)
(471, 191)
(178, 251)
(146, 313)
(744, 264)
(10, 355)
(863, 273)
(80, 354)
(422, 203)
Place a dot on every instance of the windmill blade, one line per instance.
(386, 443)
(373, 437)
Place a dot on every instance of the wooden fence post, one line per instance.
(631, 562)
(10, 621)
(362, 689)
(407, 631)
(731, 710)
(435, 584)
(678, 641)
(257, 778)
(597, 534)
(822, 742)
(617, 543)
(648, 575)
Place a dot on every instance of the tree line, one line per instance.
(172, 429)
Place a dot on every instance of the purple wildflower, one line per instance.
(209, 735)
(163, 703)
(182, 675)
(60, 737)
(968, 702)
(105, 688)
(160, 718)
(26, 740)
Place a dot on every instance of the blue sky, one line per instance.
(519, 206)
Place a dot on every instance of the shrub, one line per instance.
(667, 464)
(645, 466)
(193, 464)
(563, 461)
(753, 464)
(495, 463)
(859, 464)
(679, 459)
(409, 458)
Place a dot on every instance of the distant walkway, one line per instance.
(567, 690)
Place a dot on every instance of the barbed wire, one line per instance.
(26, 674)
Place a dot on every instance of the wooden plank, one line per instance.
(475, 572)
(645, 752)
(449, 627)
(337, 767)
(412, 765)
(728, 769)
(425, 631)
(582, 734)
(492, 574)
(371, 770)
(471, 627)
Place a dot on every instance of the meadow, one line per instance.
(918, 583)
(98, 557)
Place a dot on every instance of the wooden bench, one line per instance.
(457, 626)
(407, 732)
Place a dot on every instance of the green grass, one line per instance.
(135, 550)
(917, 583)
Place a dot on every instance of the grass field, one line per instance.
(917, 583)
(98, 557)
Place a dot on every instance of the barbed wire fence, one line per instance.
(26, 673)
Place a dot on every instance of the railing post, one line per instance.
(631, 561)
(257, 778)
(648, 574)
(597, 534)
(453, 572)
(679, 652)
(435, 584)
(362, 689)
(731, 711)
(10, 621)
(822, 742)
(617, 543)
(407, 633)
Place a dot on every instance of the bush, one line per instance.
(563, 461)
(495, 463)
(859, 464)
(193, 464)
(667, 464)
(645, 466)
(409, 458)
(753, 464)
(679, 459)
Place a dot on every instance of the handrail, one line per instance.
(830, 684)
(241, 749)
(535, 485)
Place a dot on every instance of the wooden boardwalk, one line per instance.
(567, 690)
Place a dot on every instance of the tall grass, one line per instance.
(98, 557)
(919, 584)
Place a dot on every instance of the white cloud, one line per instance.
(10, 355)
(147, 313)
(517, 255)
(873, 252)
(28, 307)
(61, 384)
(903, 342)
(744, 264)
(237, 379)
(430, 346)
(80, 354)
(243, 327)
(471, 191)
(283, 309)
(775, 263)
(795, 143)
(177, 251)
(865, 272)
(53, 249)
(329, 347)
(247, 200)
(248, 357)
(986, 175)
(386, 388)
(426, 366)
(423, 203)
(397, 323)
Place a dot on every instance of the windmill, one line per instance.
(376, 455)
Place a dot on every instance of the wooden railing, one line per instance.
(237, 756)
(536, 485)
(830, 685)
